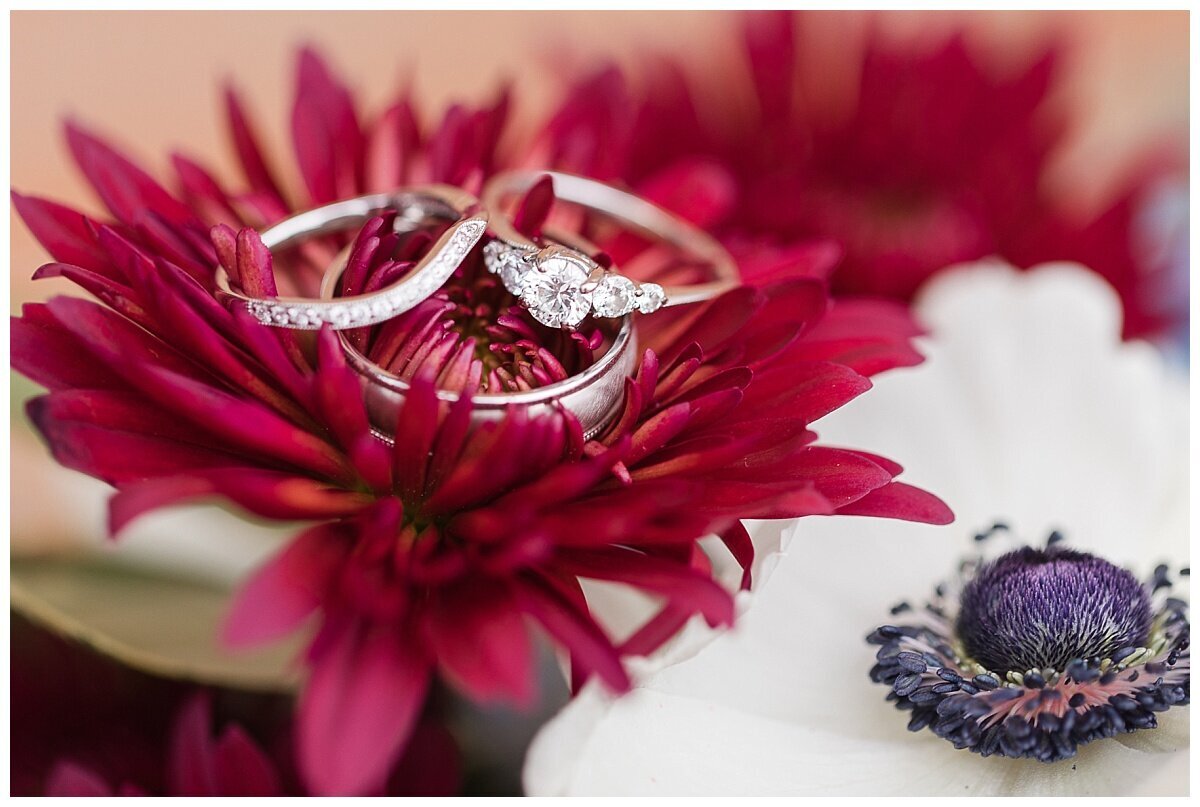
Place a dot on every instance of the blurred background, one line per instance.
(151, 83)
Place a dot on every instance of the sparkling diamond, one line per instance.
(508, 263)
(554, 294)
(380, 309)
(613, 296)
(492, 251)
(650, 298)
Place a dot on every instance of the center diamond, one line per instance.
(554, 292)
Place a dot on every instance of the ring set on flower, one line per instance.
(562, 286)
(558, 282)
(1045, 650)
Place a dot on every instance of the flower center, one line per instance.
(1042, 608)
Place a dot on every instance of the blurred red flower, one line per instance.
(90, 726)
(931, 157)
(233, 765)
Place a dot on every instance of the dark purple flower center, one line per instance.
(1039, 608)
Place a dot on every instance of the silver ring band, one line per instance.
(561, 286)
(594, 396)
(414, 206)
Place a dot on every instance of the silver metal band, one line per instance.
(593, 396)
(414, 205)
(561, 286)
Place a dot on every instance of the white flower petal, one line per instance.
(1028, 411)
(654, 743)
(1039, 416)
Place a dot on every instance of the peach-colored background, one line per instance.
(151, 82)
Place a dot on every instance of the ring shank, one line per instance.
(592, 396)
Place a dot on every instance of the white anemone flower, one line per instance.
(1029, 411)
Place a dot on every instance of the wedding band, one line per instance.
(414, 206)
(560, 286)
(594, 396)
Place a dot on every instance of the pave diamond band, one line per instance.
(414, 206)
(560, 286)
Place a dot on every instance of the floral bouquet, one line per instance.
(560, 454)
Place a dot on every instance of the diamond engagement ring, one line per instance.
(414, 206)
(560, 286)
(594, 396)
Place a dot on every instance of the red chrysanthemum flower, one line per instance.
(934, 160)
(437, 555)
(91, 726)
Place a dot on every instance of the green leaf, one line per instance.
(166, 626)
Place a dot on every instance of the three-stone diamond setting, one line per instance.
(560, 286)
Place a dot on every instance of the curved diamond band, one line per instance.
(560, 286)
(415, 206)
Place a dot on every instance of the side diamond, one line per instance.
(650, 298)
(613, 296)
(501, 259)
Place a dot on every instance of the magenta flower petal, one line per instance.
(416, 429)
(255, 272)
(126, 190)
(123, 449)
(822, 388)
(201, 191)
(688, 590)
(362, 700)
(50, 355)
(482, 643)
(250, 154)
(287, 590)
(69, 779)
(62, 231)
(268, 494)
(737, 540)
(392, 147)
(325, 132)
(575, 629)
(192, 763)
(840, 476)
(338, 392)
(113, 294)
(242, 769)
(912, 504)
